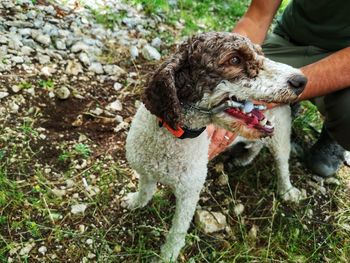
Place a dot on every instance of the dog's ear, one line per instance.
(161, 94)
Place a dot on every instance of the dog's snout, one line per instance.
(297, 83)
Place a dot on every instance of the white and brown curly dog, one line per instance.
(213, 78)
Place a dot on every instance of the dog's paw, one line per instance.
(292, 194)
(130, 201)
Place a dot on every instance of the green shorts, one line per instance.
(336, 106)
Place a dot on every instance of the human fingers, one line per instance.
(219, 142)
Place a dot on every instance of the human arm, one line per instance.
(327, 75)
(255, 23)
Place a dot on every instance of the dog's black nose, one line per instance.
(297, 83)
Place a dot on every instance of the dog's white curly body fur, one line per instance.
(158, 156)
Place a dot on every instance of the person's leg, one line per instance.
(326, 156)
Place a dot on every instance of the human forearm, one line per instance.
(327, 75)
(257, 20)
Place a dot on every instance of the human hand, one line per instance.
(220, 139)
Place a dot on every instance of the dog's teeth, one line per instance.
(263, 122)
(248, 106)
(268, 126)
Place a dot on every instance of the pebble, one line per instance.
(222, 180)
(114, 70)
(61, 45)
(26, 249)
(239, 208)
(210, 222)
(84, 58)
(63, 93)
(156, 42)
(59, 192)
(96, 67)
(17, 60)
(117, 86)
(134, 52)
(121, 126)
(150, 53)
(79, 46)
(74, 68)
(43, 39)
(15, 88)
(253, 232)
(332, 180)
(42, 250)
(115, 106)
(27, 51)
(78, 209)
(14, 107)
(98, 111)
(44, 59)
(3, 94)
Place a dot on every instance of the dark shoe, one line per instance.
(326, 156)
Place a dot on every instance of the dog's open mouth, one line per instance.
(251, 115)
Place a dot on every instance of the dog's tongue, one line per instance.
(251, 120)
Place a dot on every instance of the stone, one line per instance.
(98, 111)
(150, 53)
(3, 94)
(42, 250)
(79, 46)
(43, 39)
(43, 59)
(26, 249)
(61, 44)
(210, 222)
(63, 93)
(84, 58)
(69, 183)
(17, 59)
(3, 40)
(115, 106)
(134, 52)
(25, 31)
(59, 192)
(156, 42)
(253, 232)
(117, 86)
(74, 68)
(96, 67)
(15, 88)
(332, 180)
(26, 51)
(238, 209)
(47, 71)
(114, 70)
(78, 209)
(222, 180)
(14, 107)
(121, 126)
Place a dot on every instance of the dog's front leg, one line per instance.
(187, 197)
(280, 147)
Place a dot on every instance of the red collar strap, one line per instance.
(182, 132)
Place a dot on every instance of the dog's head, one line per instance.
(211, 68)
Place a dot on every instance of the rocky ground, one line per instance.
(70, 80)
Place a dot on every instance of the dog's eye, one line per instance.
(235, 60)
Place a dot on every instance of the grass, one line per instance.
(39, 183)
